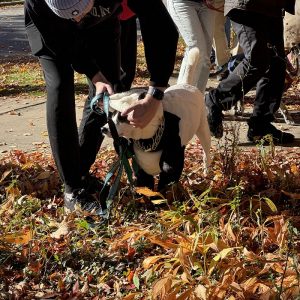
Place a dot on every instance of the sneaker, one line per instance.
(214, 118)
(80, 199)
(279, 137)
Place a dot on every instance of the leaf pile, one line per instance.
(232, 234)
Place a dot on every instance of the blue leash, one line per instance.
(121, 148)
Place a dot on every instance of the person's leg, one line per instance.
(245, 75)
(207, 21)
(107, 55)
(186, 15)
(61, 121)
(270, 88)
(128, 50)
(220, 41)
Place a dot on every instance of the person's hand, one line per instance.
(102, 84)
(142, 111)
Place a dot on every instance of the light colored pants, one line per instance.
(195, 22)
(220, 41)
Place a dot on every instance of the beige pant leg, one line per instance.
(220, 41)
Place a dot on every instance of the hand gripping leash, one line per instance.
(121, 147)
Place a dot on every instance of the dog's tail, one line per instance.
(192, 64)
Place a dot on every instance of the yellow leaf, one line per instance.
(159, 201)
(222, 254)
(147, 192)
(271, 204)
(151, 260)
(20, 238)
(294, 169)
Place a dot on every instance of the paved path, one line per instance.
(23, 124)
(13, 39)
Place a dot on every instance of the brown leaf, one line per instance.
(291, 195)
(130, 296)
(161, 287)
(149, 261)
(43, 175)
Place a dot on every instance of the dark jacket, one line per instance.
(62, 39)
(267, 7)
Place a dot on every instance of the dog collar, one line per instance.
(150, 145)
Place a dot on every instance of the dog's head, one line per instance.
(120, 102)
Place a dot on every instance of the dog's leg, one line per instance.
(171, 165)
(144, 180)
(204, 136)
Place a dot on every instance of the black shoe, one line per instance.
(214, 118)
(82, 200)
(279, 137)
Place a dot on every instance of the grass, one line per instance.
(22, 76)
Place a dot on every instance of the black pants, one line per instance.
(128, 50)
(74, 150)
(261, 38)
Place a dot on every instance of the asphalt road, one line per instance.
(13, 39)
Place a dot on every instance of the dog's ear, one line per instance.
(142, 95)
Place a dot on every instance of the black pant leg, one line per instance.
(128, 50)
(270, 88)
(255, 63)
(61, 120)
(104, 45)
(90, 135)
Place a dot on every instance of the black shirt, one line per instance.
(65, 39)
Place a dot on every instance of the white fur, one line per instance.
(182, 100)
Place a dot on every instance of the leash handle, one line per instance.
(94, 105)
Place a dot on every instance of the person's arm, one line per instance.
(160, 39)
(60, 38)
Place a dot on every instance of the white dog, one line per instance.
(159, 147)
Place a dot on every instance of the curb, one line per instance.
(10, 3)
